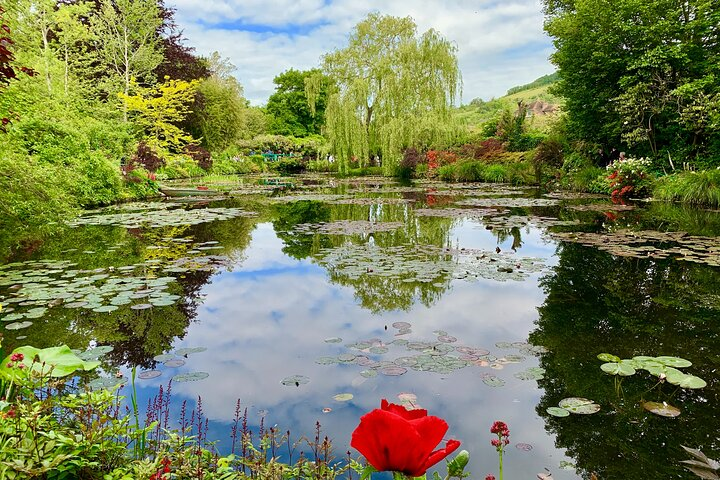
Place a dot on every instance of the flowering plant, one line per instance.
(503, 439)
(629, 176)
(395, 439)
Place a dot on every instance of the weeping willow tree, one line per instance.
(393, 90)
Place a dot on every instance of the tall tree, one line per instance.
(292, 111)
(393, 89)
(642, 72)
(127, 40)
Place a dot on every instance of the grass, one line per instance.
(698, 188)
(519, 173)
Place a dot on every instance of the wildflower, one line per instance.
(17, 357)
(393, 438)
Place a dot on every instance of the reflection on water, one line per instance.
(269, 298)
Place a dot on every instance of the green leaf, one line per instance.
(623, 369)
(608, 357)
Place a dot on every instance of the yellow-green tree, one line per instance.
(157, 110)
(394, 90)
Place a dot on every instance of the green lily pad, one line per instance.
(493, 381)
(106, 382)
(343, 397)
(661, 409)
(106, 309)
(578, 405)
(175, 362)
(326, 360)
(676, 362)
(607, 357)
(190, 377)
(558, 412)
(623, 369)
(683, 380)
(18, 325)
(163, 358)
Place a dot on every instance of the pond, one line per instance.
(310, 299)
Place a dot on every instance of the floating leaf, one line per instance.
(18, 325)
(622, 369)
(343, 397)
(326, 360)
(105, 309)
(581, 406)
(148, 374)
(163, 358)
(141, 306)
(493, 381)
(558, 412)
(106, 382)
(190, 377)
(661, 409)
(188, 350)
(607, 357)
(393, 371)
(295, 380)
(676, 362)
(175, 362)
(333, 340)
(525, 447)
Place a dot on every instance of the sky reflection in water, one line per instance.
(269, 316)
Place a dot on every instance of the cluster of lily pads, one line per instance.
(510, 202)
(426, 263)
(665, 368)
(649, 244)
(347, 227)
(441, 355)
(161, 216)
(472, 213)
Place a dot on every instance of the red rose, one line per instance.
(396, 439)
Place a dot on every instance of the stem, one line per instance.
(500, 467)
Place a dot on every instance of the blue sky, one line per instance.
(501, 44)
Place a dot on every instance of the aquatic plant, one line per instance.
(503, 439)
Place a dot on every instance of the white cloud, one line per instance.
(500, 44)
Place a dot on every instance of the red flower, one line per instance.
(400, 440)
(490, 477)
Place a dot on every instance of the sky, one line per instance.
(501, 44)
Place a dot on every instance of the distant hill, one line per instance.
(534, 94)
(540, 82)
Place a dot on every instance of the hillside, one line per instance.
(535, 93)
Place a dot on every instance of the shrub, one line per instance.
(146, 158)
(629, 176)
(289, 165)
(469, 171)
(411, 159)
(549, 154)
(446, 173)
(496, 173)
(200, 155)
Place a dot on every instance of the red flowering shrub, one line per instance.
(393, 438)
(629, 176)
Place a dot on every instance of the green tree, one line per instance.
(290, 108)
(126, 41)
(640, 72)
(222, 113)
(394, 90)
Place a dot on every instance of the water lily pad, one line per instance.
(607, 357)
(326, 360)
(525, 447)
(532, 373)
(175, 362)
(333, 340)
(295, 380)
(18, 325)
(343, 397)
(401, 325)
(623, 368)
(662, 409)
(183, 352)
(493, 381)
(676, 362)
(393, 371)
(557, 412)
(578, 405)
(682, 380)
(105, 309)
(106, 382)
(369, 373)
(141, 306)
(163, 358)
(190, 377)
(148, 374)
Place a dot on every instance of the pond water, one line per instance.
(311, 299)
